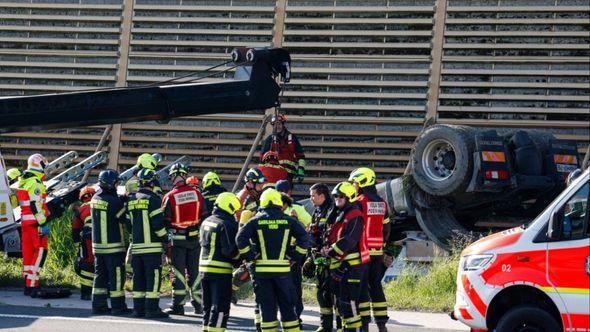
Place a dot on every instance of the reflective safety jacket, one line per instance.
(299, 212)
(248, 202)
(273, 173)
(184, 209)
(270, 230)
(82, 232)
(107, 211)
(218, 247)
(288, 147)
(210, 195)
(147, 222)
(376, 220)
(346, 238)
(31, 195)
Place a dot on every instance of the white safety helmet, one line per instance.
(37, 162)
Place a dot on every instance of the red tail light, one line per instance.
(496, 175)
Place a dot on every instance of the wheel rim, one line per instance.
(438, 160)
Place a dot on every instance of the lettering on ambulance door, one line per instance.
(567, 258)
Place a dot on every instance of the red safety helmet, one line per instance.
(86, 193)
(278, 117)
(270, 157)
(192, 181)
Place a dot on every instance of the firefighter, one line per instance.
(31, 196)
(270, 230)
(219, 254)
(347, 252)
(82, 234)
(192, 181)
(184, 209)
(13, 174)
(254, 184)
(283, 142)
(147, 161)
(211, 189)
(316, 266)
(376, 229)
(271, 169)
(293, 209)
(107, 212)
(149, 237)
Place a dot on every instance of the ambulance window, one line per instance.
(575, 216)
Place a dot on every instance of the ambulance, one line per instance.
(531, 278)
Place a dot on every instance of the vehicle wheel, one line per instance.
(442, 162)
(527, 318)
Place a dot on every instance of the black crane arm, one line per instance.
(255, 87)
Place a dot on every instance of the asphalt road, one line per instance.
(19, 313)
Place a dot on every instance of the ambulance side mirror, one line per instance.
(555, 228)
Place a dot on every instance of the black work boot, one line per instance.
(198, 308)
(121, 311)
(381, 327)
(27, 291)
(175, 310)
(101, 310)
(156, 314)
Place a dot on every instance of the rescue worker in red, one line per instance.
(270, 168)
(290, 151)
(376, 229)
(346, 251)
(219, 254)
(13, 174)
(82, 234)
(31, 194)
(254, 184)
(184, 209)
(265, 240)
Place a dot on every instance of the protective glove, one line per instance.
(300, 174)
(387, 260)
(44, 230)
(308, 268)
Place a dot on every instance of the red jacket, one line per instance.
(287, 146)
(375, 216)
(273, 173)
(184, 208)
(82, 232)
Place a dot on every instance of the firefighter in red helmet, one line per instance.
(82, 234)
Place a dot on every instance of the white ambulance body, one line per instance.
(531, 278)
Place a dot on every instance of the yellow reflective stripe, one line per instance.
(87, 273)
(193, 233)
(154, 294)
(290, 323)
(147, 237)
(117, 293)
(364, 305)
(87, 219)
(337, 250)
(179, 291)
(118, 280)
(108, 245)
(147, 250)
(179, 237)
(236, 256)
(212, 246)
(262, 244)
(120, 213)
(326, 311)
(215, 329)
(269, 324)
(385, 221)
(379, 312)
(108, 251)
(379, 304)
(244, 250)
(99, 291)
(155, 212)
(300, 250)
(354, 280)
(566, 290)
(138, 295)
(272, 262)
(277, 269)
(375, 252)
(218, 270)
(86, 282)
(214, 263)
(103, 227)
(284, 244)
(161, 232)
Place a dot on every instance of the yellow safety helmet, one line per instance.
(147, 161)
(211, 178)
(346, 189)
(228, 202)
(13, 175)
(271, 196)
(363, 176)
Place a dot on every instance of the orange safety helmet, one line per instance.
(192, 181)
(86, 193)
(270, 157)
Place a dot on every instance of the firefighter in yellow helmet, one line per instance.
(219, 254)
(376, 231)
(347, 254)
(147, 161)
(212, 187)
(270, 231)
